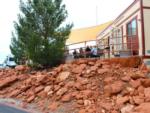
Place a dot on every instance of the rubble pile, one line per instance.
(88, 85)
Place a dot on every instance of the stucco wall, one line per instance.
(147, 30)
(146, 2)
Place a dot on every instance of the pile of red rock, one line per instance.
(89, 86)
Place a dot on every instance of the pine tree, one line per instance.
(40, 35)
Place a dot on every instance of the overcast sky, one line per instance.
(83, 13)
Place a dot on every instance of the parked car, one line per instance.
(9, 62)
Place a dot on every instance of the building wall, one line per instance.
(122, 21)
(147, 30)
(128, 13)
(133, 12)
(146, 3)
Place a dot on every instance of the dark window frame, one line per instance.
(130, 27)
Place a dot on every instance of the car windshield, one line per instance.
(11, 59)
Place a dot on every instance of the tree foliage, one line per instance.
(40, 35)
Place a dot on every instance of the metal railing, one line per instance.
(119, 48)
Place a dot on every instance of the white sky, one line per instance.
(81, 12)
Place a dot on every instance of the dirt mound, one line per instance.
(82, 86)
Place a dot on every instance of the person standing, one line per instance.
(75, 54)
(81, 53)
(94, 52)
(88, 52)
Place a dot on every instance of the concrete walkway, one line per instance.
(8, 109)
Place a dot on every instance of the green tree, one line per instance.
(40, 33)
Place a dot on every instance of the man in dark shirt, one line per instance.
(88, 52)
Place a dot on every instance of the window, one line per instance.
(132, 28)
(117, 39)
(11, 59)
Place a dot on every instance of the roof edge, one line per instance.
(93, 26)
(135, 1)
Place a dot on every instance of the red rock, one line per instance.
(70, 84)
(79, 69)
(61, 91)
(84, 81)
(25, 87)
(81, 102)
(108, 80)
(79, 96)
(48, 88)
(122, 100)
(102, 71)
(107, 90)
(137, 75)
(114, 111)
(41, 78)
(57, 87)
(135, 83)
(14, 93)
(106, 66)
(78, 86)
(66, 98)
(38, 89)
(126, 78)
(117, 87)
(21, 68)
(63, 76)
(143, 108)
(146, 82)
(147, 93)
(30, 99)
(91, 63)
(8, 81)
(138, 100)
(106, 106)
(91, 110)
(93, 68)
(141, 90)
(42, 94)
(82, 111)
(87, 93)
(82, 61)
(53, 106)
(83, 88)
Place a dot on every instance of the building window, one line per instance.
(132, 28)
(117, 39)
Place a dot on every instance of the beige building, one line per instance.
(129, 33)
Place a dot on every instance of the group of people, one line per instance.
(88, 52)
